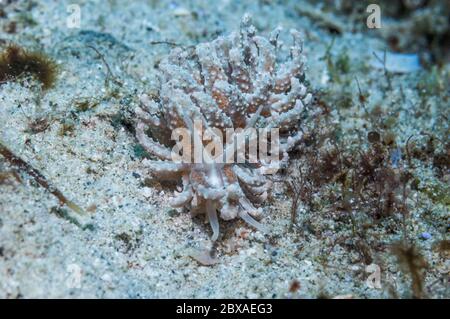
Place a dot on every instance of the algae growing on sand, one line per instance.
(89, 95)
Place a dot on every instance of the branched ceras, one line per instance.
(236, 81)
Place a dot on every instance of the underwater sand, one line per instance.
(130, 243)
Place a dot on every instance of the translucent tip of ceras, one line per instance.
(213, 220)
(252, 222)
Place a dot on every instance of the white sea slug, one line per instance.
(236, 81)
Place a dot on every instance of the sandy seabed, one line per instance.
(130, 243)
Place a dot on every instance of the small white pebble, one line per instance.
(147, 192)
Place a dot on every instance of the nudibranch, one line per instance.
(238, 81)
